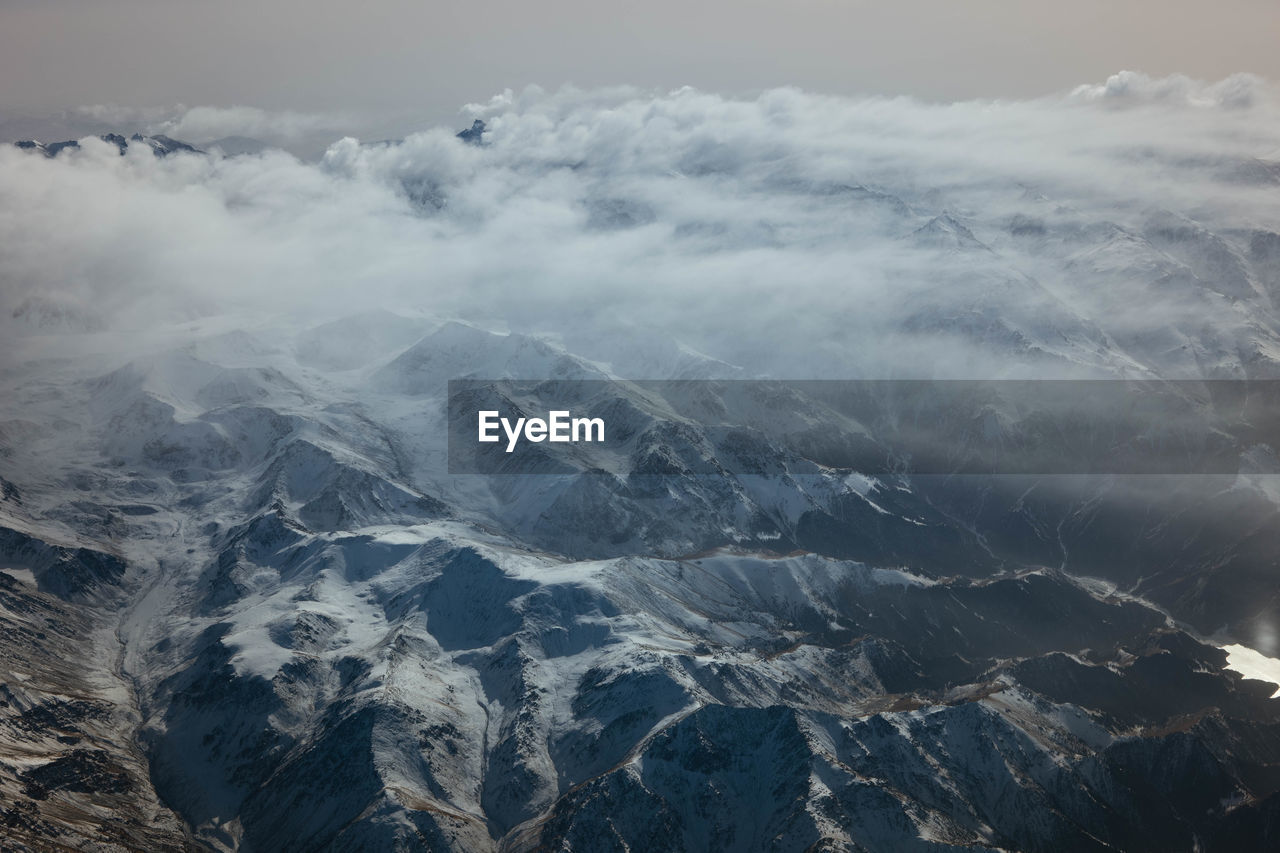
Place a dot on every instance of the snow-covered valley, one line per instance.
(324, 641)
(246, 607)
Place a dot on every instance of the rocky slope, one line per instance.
(248, 607)
(72, 774)
(334, 645)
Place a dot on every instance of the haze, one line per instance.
(392, 66)
(809, 227)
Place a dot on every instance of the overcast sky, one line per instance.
(415, 63)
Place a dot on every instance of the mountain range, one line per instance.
(247, 607)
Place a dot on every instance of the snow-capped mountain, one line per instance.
(250, 608)
(159, 144)
(322, 641)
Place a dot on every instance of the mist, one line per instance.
(787, 234)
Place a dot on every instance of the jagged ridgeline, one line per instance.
(249, 602)
(159, 144)
(275, 596)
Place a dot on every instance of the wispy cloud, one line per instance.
(208, 123)
(1133, 87)
(793, 233)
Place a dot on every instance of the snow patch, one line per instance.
(1253, 664)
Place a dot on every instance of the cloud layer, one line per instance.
(204, 124)
(1114, 228)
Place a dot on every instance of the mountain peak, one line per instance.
(947, 233)
(473, 135)
(159, 144)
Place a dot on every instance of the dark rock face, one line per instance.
(72, 776)
(62, 571)
(80, 771)
(266, 612)
(748, 779)
(473, 135)
(159, 144)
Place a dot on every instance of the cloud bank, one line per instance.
(204, 124)
(1238, 90)
(1118, 228)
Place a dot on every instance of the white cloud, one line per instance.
(207, 123)
(778, 231)
(1236, 91)
(121, 117)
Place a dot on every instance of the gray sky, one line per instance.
(416, 63)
